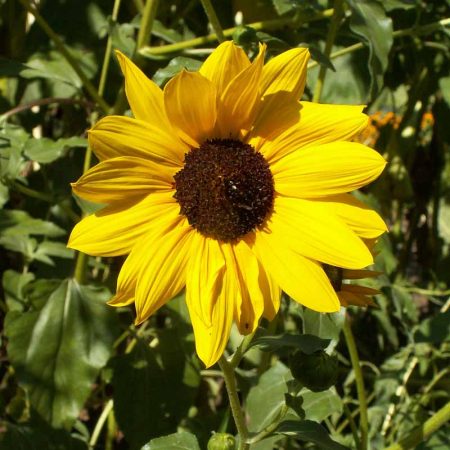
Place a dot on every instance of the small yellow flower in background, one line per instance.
(225, 184)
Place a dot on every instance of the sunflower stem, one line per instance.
(67, 55)
(334, 25)
(421, 433)
(361, 392)
(213, 19)
(235, 405)
(228, 32)
(240, 351)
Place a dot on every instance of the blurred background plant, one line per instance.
(75, 375)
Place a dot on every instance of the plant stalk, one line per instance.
(213, 19)
(421, 433)
(354, 357)
(235, 405)
(334, 25)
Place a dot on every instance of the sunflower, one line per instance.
(225, 184)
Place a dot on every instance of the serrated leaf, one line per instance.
(177, 441)
(320, 405)
(309, 431)
(46, 150)
(370, 22)
(325, 326)
(14, 222)
(58, 349)
(307, 343)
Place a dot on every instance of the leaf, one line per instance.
(325, 326)
(266, 398)
(175, 66)
(309, 431)
(296, 404)
(320, 405)
(57, 350)
(434, 329)
(14, 222)
(4, 194)
(177, 441)
(46, 150)
(369, 21)
(14, 284)
(153, 383)
(21, 437)
(307, 343)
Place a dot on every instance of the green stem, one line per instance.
(107, 57)
(235, 405)
(146, 25)
(257, 26)
(100, 423)
(271, 428)
(351, 345)
(213, 20)
(414, 31)
(334, 25)
(65, 52)
(421, 433)
(240, 351)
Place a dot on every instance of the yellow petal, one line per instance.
(122, 178)
(365, 222)
(271, 293)
(311, 230)
(114, 230)
(161, 260)
(318, 124)
(327, 169)
(115, 136)
(210, 341)
(239, 102)
(204, 277)
(124, 298)
(286, 72)
(244, 266)
(144, 96)
(190, 101)
(223, 64)
(302, 279)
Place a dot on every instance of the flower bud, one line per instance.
(221, 441)
(317, 371)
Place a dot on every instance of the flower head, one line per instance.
(225, 184)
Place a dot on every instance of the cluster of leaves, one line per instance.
(76, 375)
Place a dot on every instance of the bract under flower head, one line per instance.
(282, 229)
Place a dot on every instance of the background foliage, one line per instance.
(75, 374)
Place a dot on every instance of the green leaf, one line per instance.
(14, 284)
(21, 437)
(369, 21)
(266, 398)
(175, 66)
(325, 326)
(307, 343)
(153, 383)
(320, 405)
(309, 431)
(4, 194)
(434, 329)
(19, 223)
(46, 150)
(296, 404)
(57, 350)
(177, 441)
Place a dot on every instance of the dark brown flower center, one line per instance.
(225, 189)
(335, 275)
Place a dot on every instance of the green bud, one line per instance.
(317, 371)
(221, 441)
